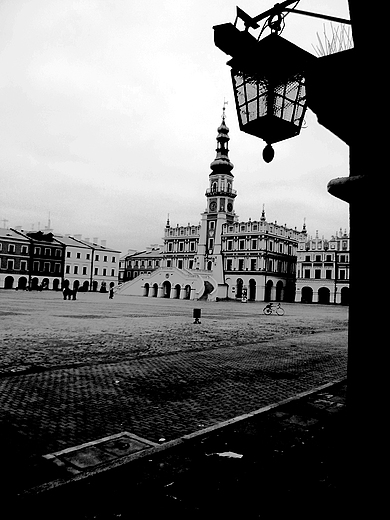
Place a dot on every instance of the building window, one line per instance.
(46, 267)
(242, 244)
(180, 264)
(104, 272)
(191, 264)
(84, 270)
(253, 264)
(157, 263)
(67, 269)
(307, 273)
(113, 259)
(37, 250)
(112, 272)
(23, 265)
(105, 259)
(169, 263)
(181, 246)
(68, 254)
(10, 265)
(254, 244)
(317, 274)
(318, 258)
(88, 256)
(96, 271)
(24, 250)
(328, 274)
(36, 266)
(307, 258)
(47, 251)
(58, 253)
(341, 274)
(229, 264)
(170, 246)
(192, 246)
(76, 269)
(57, 267)
(211, 243)
(97, 258)
(78, 255)
(241, 264)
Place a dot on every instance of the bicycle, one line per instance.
(273, 309)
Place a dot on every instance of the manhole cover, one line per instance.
(100, 451)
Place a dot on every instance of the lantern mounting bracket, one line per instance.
(277, 9)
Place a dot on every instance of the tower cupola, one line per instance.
(221, 163)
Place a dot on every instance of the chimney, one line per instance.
(95, 240)
(103, 243)
(77, 237)
(86, 240)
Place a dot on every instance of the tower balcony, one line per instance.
(221, 193)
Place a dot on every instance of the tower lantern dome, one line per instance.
(221, 163)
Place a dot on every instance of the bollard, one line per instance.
(196, 315)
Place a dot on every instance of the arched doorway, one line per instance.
(268, 290)
(95, 286)
(307, 295)
(34, 284)
(76, 285)
(344, 296)
(56, 284)
(146, 289)
(252, 289)
(85, 285)
(178, 289)
(239, 285)
(167, 289)
(188, 292)
(155, 290)
(323, 295)
(45, 283)
(279, 291)
(22, 283)
(209, 266)
(8, 282)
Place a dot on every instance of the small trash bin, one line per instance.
(196, 315)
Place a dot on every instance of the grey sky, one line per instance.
(108, 119)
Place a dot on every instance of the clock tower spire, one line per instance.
(220, 197)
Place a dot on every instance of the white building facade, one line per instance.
(323, 270)
(223, 258)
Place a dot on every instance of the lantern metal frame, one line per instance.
(268, 76)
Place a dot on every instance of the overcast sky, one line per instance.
(109, 112)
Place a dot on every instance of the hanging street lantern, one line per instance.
(268, 78)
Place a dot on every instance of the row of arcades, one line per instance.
(167, 290)
(42, 283)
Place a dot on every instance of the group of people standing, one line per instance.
(70, 294)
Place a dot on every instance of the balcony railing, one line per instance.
(228, 193)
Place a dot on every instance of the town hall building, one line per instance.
(222, 257)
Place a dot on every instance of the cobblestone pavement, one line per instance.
(194, 376)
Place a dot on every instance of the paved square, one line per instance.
(72, 372)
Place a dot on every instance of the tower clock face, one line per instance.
(213, 206)
(229, 206)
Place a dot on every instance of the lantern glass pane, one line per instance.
(262, 105)
(251, 90)
(243, 117)
(241, 94)
(252, 110)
